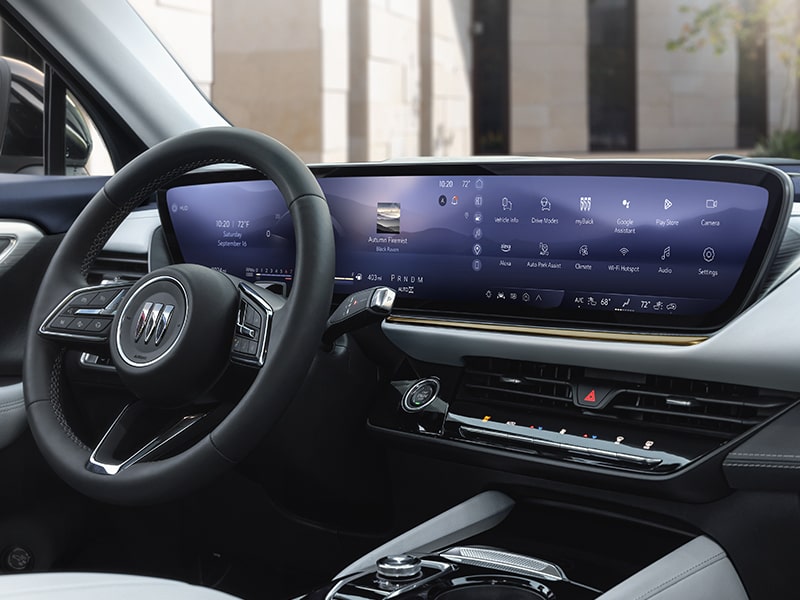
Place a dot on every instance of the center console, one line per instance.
(407, 569)
(460, 573)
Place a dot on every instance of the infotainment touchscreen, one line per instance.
(639, 248)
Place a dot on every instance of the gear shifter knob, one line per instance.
(358, 310)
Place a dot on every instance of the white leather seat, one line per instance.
(100, 586)
(698, 570)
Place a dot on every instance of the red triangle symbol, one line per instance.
(590, 397)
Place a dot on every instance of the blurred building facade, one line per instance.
(373, 79)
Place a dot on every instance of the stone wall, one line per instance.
(268, 70)
(549, 80)
(450, 99)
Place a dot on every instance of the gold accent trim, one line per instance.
(607, 336)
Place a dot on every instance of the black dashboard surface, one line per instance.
(674, 246)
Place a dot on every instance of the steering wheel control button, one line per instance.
(252, 317)
(102, 299)
(99, 325)
(83, 299)
(84, 315)
(251, 332)
(240, 344)
(248, 332)
(420, 395)
(399, 567)
(60, 322)
(79, 324)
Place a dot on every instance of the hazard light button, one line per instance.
(592, 395)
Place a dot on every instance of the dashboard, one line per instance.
(584, 314)
(656, 247)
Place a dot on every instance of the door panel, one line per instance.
(49, 202)
(34, 213)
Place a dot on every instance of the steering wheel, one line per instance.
(180, 338)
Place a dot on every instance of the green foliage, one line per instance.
(785, 144)
(746, 21)
(707, 27)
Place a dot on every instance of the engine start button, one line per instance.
(420, 395)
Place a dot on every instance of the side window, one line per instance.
(23, 111)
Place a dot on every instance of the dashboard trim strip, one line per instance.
(606, 336)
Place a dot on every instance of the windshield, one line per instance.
(358, 80)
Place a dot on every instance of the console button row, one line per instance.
(547, 445)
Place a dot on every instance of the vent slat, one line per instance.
(730, 416)
(694, 415)
(488, 388)
(763, 402)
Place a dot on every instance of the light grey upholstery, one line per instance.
(100, 586)
(698, 570)
(12, 413)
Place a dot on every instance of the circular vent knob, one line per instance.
(401, 566)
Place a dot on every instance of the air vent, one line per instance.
(534, 385)
(708, 409)
(723, 416)
(109, 266)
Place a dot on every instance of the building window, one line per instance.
(612, 75)
(490, 77)
(752, 83)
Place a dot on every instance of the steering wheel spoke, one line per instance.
(83, 318)
(138, 433)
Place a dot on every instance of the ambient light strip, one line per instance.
(607, 336)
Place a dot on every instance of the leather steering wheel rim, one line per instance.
(305, 314)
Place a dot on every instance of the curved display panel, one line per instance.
(648, 245)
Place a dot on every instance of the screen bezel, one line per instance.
(767, 242)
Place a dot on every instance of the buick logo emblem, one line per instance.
(153, 321)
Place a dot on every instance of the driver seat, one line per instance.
(101, 586)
